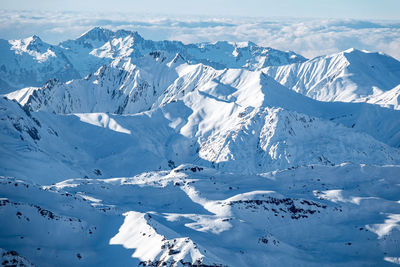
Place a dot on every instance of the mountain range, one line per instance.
(122, 151)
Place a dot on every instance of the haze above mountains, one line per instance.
(309, 37)
(206, 154)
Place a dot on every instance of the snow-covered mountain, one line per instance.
(234, 120)
(350, 76)
(124, 88)
(390, 99)
(166, 154)
(192, 216)
(104, 43)
(31, 62)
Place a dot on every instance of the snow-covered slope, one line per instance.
(22, 95)
(348, 76)
(390, 99)
(124, 88)
(163, 156)
(31, 62)
(56, 147)
(234, 120)
(192, 216)
(104, 43)
(248, 140)
(120, 87)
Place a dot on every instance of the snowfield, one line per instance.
(121, 151)
(314, 215)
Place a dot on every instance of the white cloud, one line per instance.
(308, 37)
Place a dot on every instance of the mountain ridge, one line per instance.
(348, 76)
(77, 58)
(159, 153)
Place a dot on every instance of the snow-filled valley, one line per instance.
(116, 150)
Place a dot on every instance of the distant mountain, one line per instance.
(120, 87)
(130, 152)
(31, 62)
(349, 76)
(105, 43)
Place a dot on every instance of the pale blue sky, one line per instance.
(358, 9)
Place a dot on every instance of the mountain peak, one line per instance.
(350, 50)
(244, 44)
(123, 33)
(35, 38)
(34, 43)
(32, 39)
(103, 35)
(96, 34)
(355, 51)
(366, 55)
(178, 59)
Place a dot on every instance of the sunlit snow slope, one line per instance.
(349, 76)
(169, 154)
(31, 62)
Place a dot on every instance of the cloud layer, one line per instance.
(310, 38)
